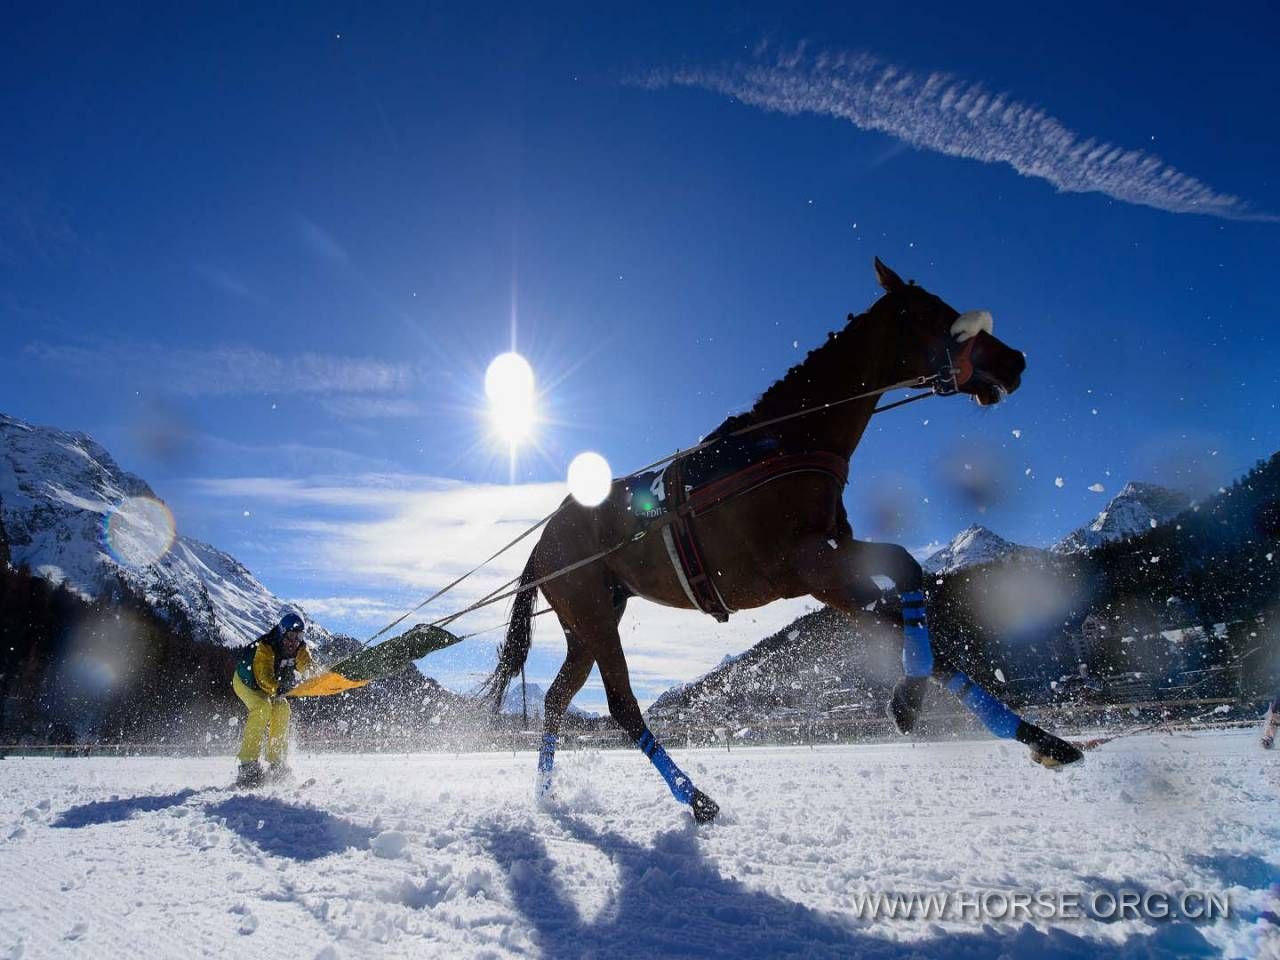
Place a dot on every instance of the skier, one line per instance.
(1270, 723)
(268, 669)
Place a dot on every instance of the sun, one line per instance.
(590, 479)
(509, 385)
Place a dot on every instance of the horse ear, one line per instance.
(888, 279)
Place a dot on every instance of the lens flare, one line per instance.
(509, 385)
(590, 479)
(100, 654)
(138, 531)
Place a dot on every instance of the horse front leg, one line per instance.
(856, 563)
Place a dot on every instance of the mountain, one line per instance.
(70, 514)
(1136, 509)
(825, 663)
(514, 701)
(973, 545)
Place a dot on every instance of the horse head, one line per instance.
(960, 347)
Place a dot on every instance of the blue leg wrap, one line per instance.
(679, 782)
(546, 758)
(997, 718)
(917, 649)
(547, 755)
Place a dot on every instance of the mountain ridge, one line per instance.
(71, 514)
(973, 545)
(1138, 507)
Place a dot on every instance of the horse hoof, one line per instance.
(704, 808)
(904, 706)
(1046, 749)
(1056, 753)
(544, 795)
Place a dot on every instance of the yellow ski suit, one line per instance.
(257, 682)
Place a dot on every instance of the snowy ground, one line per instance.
(437, 855)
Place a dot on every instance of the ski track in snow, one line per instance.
(442, 855)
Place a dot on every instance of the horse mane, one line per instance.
(794, 389)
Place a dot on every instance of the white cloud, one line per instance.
(372, 610)
(227, 371)
(392, 540)
(369, 408)
(940, 112)
(380, 490)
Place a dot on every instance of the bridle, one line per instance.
(955, 368)
(953, 357)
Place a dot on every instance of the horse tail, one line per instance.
(514, 650)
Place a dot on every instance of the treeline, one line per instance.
(1215, 564)
(74, 669)
(114, 670)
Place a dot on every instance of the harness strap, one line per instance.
(742, 481)
(691, 568)
(680, 535)
(673, 555)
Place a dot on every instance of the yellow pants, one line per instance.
(266, 716)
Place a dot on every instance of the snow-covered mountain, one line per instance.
(823, 663)
(514, 701)
(72, 515)
(1134, 510)
(973, 545)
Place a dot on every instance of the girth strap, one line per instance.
(680, 536)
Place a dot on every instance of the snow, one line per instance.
(443, 855)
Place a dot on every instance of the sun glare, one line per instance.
(509, 385)
(590, 479)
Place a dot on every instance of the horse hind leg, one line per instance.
(573, 674)
(920, 664)
(590, 610)
(843, 579)
(626, 712)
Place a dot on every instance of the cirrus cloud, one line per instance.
(958, 118)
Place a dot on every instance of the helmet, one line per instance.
(290, 621)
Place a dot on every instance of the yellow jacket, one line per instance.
(263, 667)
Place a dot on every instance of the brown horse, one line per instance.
(787, 537)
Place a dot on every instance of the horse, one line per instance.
(787, 536)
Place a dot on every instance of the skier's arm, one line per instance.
(264, 669)
(302, 665)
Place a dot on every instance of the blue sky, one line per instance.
(265, 256)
